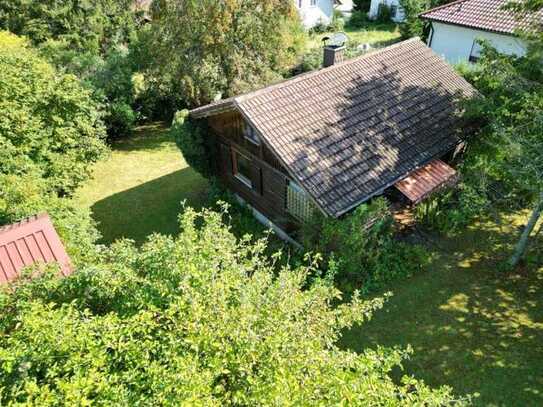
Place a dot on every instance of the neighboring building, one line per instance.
(332, 139)
(456, 28)
(396, 10)
(33, 240)
(314, 12)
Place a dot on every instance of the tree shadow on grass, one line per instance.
(152, 207)
(471, 326)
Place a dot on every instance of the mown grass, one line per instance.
(138, 190)
(471, 325)
(376, 34)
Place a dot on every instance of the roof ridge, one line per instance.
(297, 78)
(443, 6)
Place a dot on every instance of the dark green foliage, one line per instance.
(84, 25)
(362, 247)
(195, 144)
(361, 6)
(358, 19)
(384, 14)
(413, 25)
(201, 319)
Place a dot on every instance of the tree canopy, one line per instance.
(200, 49)
(201, 319)
(49, 123)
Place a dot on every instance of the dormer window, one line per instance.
(250, 134)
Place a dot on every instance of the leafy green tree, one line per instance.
(202, 319)
(49, 122)
(413, 25)
(511, 109)
(202, 49)
(85, 25)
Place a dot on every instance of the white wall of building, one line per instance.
(455, 43)
(374, 9)
(314, 11)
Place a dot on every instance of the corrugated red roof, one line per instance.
(30, 241)
(422, 182)
(487, 15)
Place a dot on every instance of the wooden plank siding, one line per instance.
(269, 179)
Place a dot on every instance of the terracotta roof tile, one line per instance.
(347, 132)
(486, 15)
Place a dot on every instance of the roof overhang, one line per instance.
(426, 180)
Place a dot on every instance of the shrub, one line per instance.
(198, 149)
(384, 13)
(362, 246)
(361, 6)
(120, 119)
(201, 319)
(23, 196)
(48, 121)
(358, 19)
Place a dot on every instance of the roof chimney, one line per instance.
(333, 54)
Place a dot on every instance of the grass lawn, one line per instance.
(470, 325)
(376, 34)
(138, 189)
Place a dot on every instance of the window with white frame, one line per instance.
(298, 202)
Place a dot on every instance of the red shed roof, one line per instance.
(33, 240)
(422, 182)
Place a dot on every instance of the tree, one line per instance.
(511, 141)
(84, 25)
(413, 25)
(201, 319)
(362, 5)
(49, 123)
(203, 49)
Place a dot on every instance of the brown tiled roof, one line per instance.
(483, 15)
(33, 240)
(347, 132)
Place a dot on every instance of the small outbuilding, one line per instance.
(31, 241)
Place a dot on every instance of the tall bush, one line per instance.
(362, 246)
(201, 319)
(49, 121)
(195, 144)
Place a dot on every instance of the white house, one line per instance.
(456, 28)
(396, 9)
(313, 12)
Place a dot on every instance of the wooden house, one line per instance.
(332, 139)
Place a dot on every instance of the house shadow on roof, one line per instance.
(152, 207)
(375, 132)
